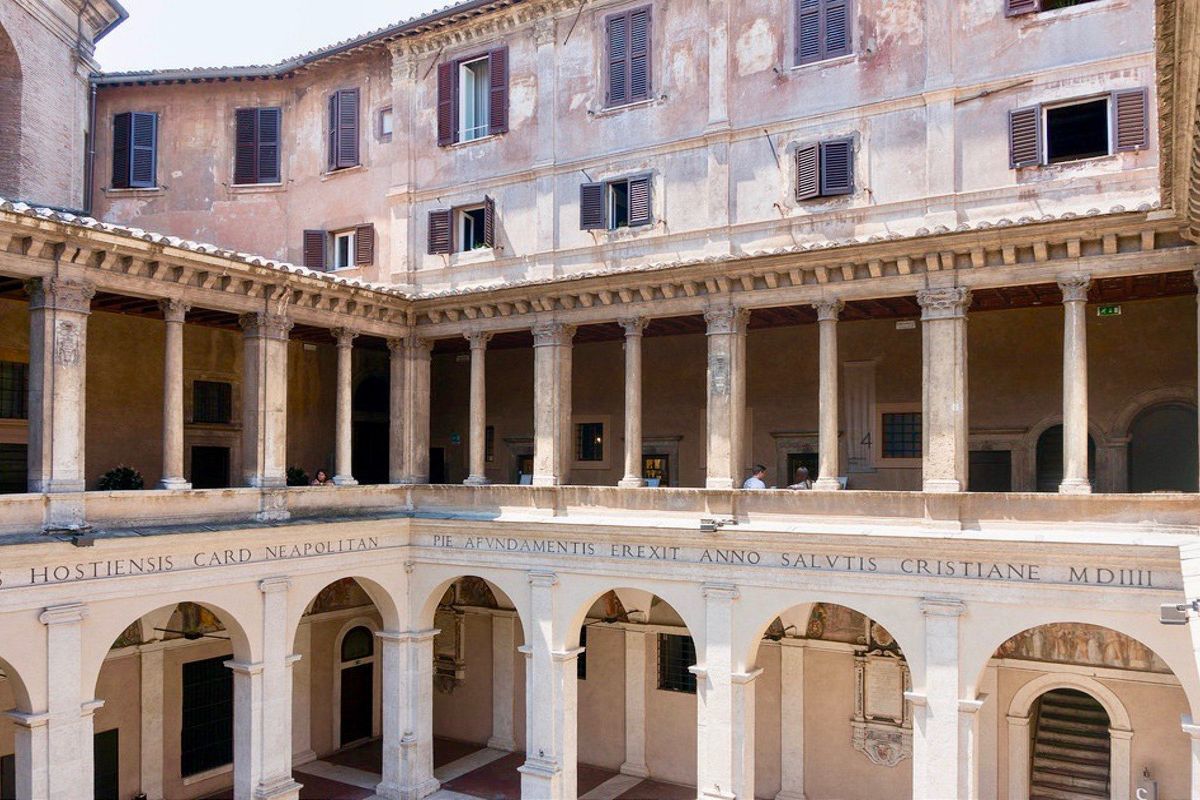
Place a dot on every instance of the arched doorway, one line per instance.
(1163, 448)
(1049, 459)
(357, 679)
(10, 118)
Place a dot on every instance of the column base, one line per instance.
(716, 794)
(1075, 486)
(790, 795)
(636, 770)
(941, 486)
(507, 745)
(476, 480)
(390, 791)
(175, 484)
(540, 778)
(826, 485)
(283, 789)
(344, 480)
(631, 482)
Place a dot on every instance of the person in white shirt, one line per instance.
(802, 480)
(755, 481)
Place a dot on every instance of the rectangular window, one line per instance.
(343, 250)
(627, 56)
(135, 150)
(1077, 131)
(620, 203)
(822, 29)
(1092, 127)
(589, 441)
(470, 229)
(14, 390)
(257, 146)
(343, 129)
(206, 737)
(212, 402)
(675, 655)
(824, 169)
(472, 97)
(462, 229)
(386, 124)
(902, 435)
(473, 84)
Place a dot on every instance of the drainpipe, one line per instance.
(89, 155)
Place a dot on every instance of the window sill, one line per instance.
(626, 233)
(836, 61)
(1060, 168)
(200, 777)
(608, 111)
(148, 192)
(1042, 18)
(480, 255)
(456, 145)
(257, 188)
(343, 171)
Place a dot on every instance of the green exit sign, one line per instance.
(1108, 311)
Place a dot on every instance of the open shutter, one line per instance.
(1131, 129)
(143, 172)
(591, 206)
(1014, 7)
(837, 28)
(1025, 137)
(333, 131)
(808, 31)
(837, 167)
(447, 110)
(122, 130)
(639, 54)
(439, 231)
(639, 201)
(489, 221)
(808, 172)
(617, 48)
(268, 145)
(498, 91)
(245, 159)
(314, 249)
(364, 244)
(347, 128)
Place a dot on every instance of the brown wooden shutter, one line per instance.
(837, 167)
(591, 206)
(639, 54)
(439, 231)
(314, 249)
(333, 131)
(489, 221)
(245, 159)
(640, 212)
(837, 28)
(498, 91)
(1131, 128)
(347, 128)
(808, 31)
(808, 172)
(1014, 7)
(617, 56)
(122, 130)
(143, 155)
(447, 110)
(1025, 137)
(364, 244)
(269, 129)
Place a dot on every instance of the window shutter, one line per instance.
(333, 130)
(439, 231)
(498, 90)
(639, 53)
(347, 128)
(1131, 129)
(122, 129)
(269, 120)
(837, 28)
(591, 206)
(639, 201)
(808, 31)
(314, 249)
(808, 172)
(447, 110)
(489, 221)
(364, 244)
(837, 167)
(617, 46)
(245, 159)
(1014, 7)
(1025, 137)
(143, 155)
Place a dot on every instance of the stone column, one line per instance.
(1075, 384)
(549, 768)
(174, 311)
(504, 648)
(398, 424)
(69, 726)
(635, 703)
(58, 313)
(343, 469)
(247, 719)
(264, 399)
(633, 401)
(31, 760)
(407, 715)
(944, 399)
(791, 719)
(724, 734)
(969, 747)
(726, 395)
(275, 781)
(151, 658)
(416, 404)
(552, 403)
(936, 726)
(827, 396)
(478, 410)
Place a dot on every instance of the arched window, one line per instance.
(1162, 449)
(357, 643)
(1050, 459)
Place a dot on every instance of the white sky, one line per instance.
(211, 33)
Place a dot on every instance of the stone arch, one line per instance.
(582, 594)
(1023, 700)
(21, 699)
(310, 586)
(1145, 401)
(11, 81)
(1029, 446)
(1162, 448)
(429, 585)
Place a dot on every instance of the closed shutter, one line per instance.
(1025, 137)
(639, 201)
(314, 249)
(346, 121)
(122, 129)
(591, 206)
(439, 231)
(333, 131)
(808, 172)
(143, 157)
(837, 167)
(639, 54)
(1014, 7)
(364, 244)
(447, 110)
(617, 47)
(823, 30)
(1131, 129)
(245, 159)
(489, 221)
(498, 91)
(837, 28)
(269, 125)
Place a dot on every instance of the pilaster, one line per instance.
(552, 403)
(633, 328)
(408, 431)
(726, 408)
(549, 768)
(791, 719)
(407, 715)
(264, 399)
(504, 646)
(635, 703)
(275, 773)
(724, 751)
(343, 433)
(150, 656)
(945, 450)
(69, 727)
(1075, 384)
(937, 752)
(827, 397)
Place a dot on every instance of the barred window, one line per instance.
(902, 435)
(589, 441)
(206, 735)
(212, 401)
(675, 655)
(14, 390)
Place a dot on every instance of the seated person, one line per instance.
(755, 481)
(802, 481)
(322, 479)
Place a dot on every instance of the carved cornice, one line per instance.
(174, 309)
(726, 319)
(828, 310)
(61, 294)
(552, 334)
(947, 303)
(483, 27)
(1075, 287)
(344, 337)
(265, 326)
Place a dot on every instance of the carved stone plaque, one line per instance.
(66, 343)
(883, 690)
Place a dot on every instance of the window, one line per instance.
(581, 659)
(471, 228)
(462, 229)
(385, 124)
(13, 471)
(1015, 7)
(1079, 129)
(623, 203)
(675, 655)
(627, 56)
(825, 169)
(212, 402)
(135, 148)
(589, 441)
(343, 249)
(343, 129)
(353, 247)
(358, 643)
(472, 97)
(257, 146)
(14, 390)
(902, 435)
(206, 738)
(822, 30)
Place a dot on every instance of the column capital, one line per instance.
(1075, 287)
(562, 656)
(633, 326)
(418, 346)
(828, 310)
(67, 612)
(61, 294)
(743, 678)
(549, 334)
(478, 339)
(245, 667)
(273, 585)
(726, 319)
(950, 302)
(344, 337)
(263, 325)
(720, 591)
(542, 579)
(943, 607)
(972, 706)
(174, 309)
